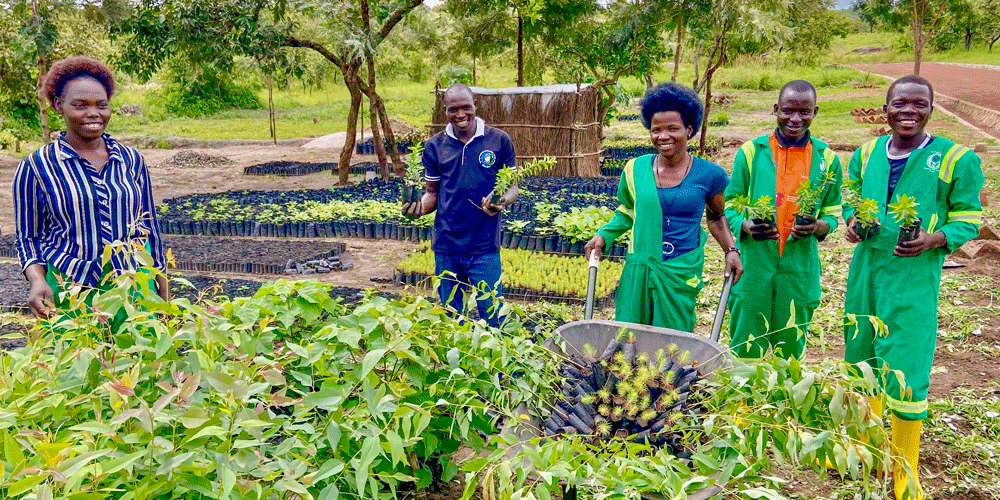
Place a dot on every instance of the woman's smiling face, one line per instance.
(84, 105)
(668, 133)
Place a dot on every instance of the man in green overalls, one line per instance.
(781, 261)
(898, 282)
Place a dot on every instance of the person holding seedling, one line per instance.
(663, 197)
(81, 194)
(771, 308)
(927, 191)
(461, 166)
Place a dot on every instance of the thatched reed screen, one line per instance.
(554, 120)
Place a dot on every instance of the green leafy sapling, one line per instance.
(508, 176)
(904, 210)
(810, 194)
(414, 174)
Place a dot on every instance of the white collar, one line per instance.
(480, 129)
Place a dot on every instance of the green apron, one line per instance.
(651, 291)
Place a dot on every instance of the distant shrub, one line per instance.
(455, 74)
(206, 95)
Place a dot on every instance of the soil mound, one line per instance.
(195, 159)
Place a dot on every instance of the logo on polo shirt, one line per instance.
(487, 159)
(934, 162)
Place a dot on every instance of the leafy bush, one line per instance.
(205, 95)
(283, 393)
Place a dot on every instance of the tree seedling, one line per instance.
(904, 210)
(414, 174)
(508, 176)
(866, 210)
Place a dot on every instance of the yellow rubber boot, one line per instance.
(876, 406)
(906, 450)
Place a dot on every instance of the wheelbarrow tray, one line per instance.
(707, 354)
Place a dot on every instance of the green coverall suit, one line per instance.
(760, 306)
(651, 291)
(902, 292)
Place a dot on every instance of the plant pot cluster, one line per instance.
(368, 147)
(628, 118)
(551, 244)
(330, 229)
(628, 152)
(511, 292)
(314, 266)
(288, 168)
(624, 395)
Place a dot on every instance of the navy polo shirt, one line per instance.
(466, 172)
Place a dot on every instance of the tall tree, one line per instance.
(923, 18)
(213, 34)
(990, 12)
(622, 39)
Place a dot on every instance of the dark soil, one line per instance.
(215, 250)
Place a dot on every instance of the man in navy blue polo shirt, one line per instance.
(461, 165)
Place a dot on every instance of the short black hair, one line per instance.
(919, 80)
(798, 86)
(458, 87)
(669, 96)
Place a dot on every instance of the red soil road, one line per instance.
(975, 85)
(978, 85)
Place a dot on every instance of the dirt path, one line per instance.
(976, 84)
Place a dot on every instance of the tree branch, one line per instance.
(396, 17)
(291, 41)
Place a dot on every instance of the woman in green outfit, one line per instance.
(663, 197)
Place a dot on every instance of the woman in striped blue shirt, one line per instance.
(80, 193)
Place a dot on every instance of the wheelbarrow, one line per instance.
(706, 353)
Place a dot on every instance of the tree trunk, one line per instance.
(43, 106)
(520, 51)
(390, 136)
(704, 121)
(917, 24)
(271, 123)
(993, 41)
(649, 80)
(383, 167)
(473, 71)
(677, 50)
(968, 39)
(697, 55)
(351, 79)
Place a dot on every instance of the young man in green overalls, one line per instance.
(898, 282)
(782, 262)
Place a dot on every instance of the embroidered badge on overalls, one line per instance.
(934, 162)
(487, 159)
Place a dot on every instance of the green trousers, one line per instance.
(761, 312)
(903, 293)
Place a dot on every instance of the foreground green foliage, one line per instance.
(776, 412)
(285, 392)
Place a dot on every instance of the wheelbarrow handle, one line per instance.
(720, 313)
(593, 263)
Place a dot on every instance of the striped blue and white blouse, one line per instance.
(67, 213)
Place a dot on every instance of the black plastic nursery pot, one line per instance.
(770, 222)
(411, 193)
(909, 232)
(865, 231)
(708, 355)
